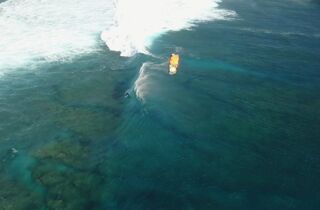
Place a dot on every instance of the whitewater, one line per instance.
(34, 32)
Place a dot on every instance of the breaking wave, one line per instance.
(140, 85)
(37, 31)
(137, 23)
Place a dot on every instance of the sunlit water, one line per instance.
(236, 128)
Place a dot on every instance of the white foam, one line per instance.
(33, 31)
(37, 31)
(138, 22)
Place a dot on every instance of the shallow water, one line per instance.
(236, 128)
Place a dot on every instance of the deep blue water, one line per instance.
(236, 128)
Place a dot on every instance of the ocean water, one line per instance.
(90, 118)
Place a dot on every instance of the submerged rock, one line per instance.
(65, 152)
(65, 172)
(68, 188)
(88, 122)
(15, 196)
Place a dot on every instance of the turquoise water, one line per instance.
(236, 128)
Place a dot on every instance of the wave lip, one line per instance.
(137, 23)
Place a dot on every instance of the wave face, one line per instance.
(137, 23)
(35, 31)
